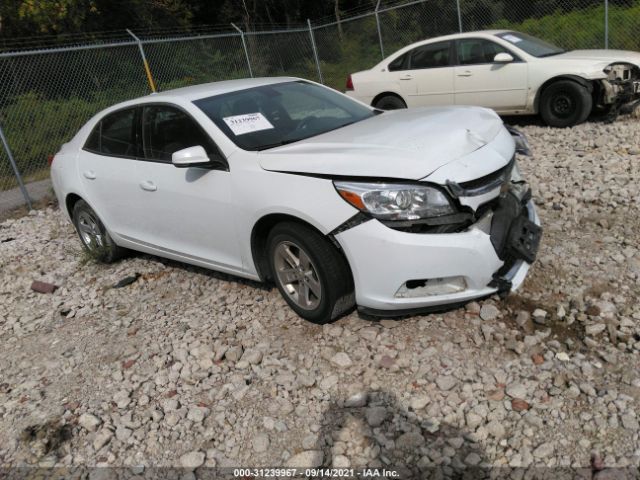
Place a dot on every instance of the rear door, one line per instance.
(481, 81)
(107, 170)
(431, 70)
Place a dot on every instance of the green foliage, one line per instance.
(584, 28)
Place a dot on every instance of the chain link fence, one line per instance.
(46, 95)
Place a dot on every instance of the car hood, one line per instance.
(608, 56)
(408, 144)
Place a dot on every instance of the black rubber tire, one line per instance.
(565, 103)
(110, 252)
(390, 102)
(332, 268)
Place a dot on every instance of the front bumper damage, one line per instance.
(620, 91)
(424, 272)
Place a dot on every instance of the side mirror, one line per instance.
(503, 57)
(190, 157)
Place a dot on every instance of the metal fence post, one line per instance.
(16, 172)
(244, 45)
(147, 70)
(315, 51)
(606, 24)
(379, 31)
(459, 16)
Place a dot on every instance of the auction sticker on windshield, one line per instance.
(247, 123)
(512, 38)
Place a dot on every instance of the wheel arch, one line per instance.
(70, 200)
(588, 84)
(387, 94)
(260, 233)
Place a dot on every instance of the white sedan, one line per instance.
(285, 180)
(513, 73)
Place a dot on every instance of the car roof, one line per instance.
(196, 92)
(204, 90)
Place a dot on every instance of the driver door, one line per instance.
(188, 210)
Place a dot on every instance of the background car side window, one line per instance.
(115, 135)
(398, 63)
(430, 56)
(166, 130)
(473, 51)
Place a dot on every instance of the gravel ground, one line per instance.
(186, 367)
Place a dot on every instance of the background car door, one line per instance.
(188, 210)
(480, 81)
(107, 169)
(431, 70)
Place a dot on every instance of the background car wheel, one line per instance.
(94, 235)
(565, 103)
(312, 276)
(390, 102)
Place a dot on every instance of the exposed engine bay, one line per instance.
(620, 92)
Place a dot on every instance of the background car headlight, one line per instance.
(389, 201)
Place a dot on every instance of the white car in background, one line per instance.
(286, 180)
(513, 73)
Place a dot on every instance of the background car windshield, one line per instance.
(272, 115)
(532, 45)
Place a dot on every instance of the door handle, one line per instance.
(148, 186)
(466, 73)
(89, 174)
(406, 77)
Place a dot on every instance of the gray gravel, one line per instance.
(191, 368)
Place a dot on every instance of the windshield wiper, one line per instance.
(276, 144)
(551, 54)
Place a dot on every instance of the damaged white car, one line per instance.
(285, 180)
(510, 72)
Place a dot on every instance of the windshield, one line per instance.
(272, 115)
(532, 45)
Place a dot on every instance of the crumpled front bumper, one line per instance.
(483, 258)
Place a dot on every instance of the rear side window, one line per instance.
(115, 135)
(168, 129)
(398, 63)
(430, 56)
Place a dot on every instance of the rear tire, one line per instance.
(565, 103)
(310, 273)
(94, 236)
(389, 102)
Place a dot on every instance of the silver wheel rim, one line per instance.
(89, 231)
(297, 275)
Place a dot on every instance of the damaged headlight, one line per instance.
(522, 144)
(389, 201)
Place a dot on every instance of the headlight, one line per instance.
(522, 144)
(389, 201)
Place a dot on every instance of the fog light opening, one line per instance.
(431, 286)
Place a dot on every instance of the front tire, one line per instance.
(389, 102)
(310, 273)
(94, 236)
(565, 103)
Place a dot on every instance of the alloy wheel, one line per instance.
(90, 231)
(297, 275)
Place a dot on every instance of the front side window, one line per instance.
(115, 135)
(272, 115)
(430, 56)
(167, 129)
(474, 51)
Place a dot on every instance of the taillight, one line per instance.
(349, 83)
(50, 159)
